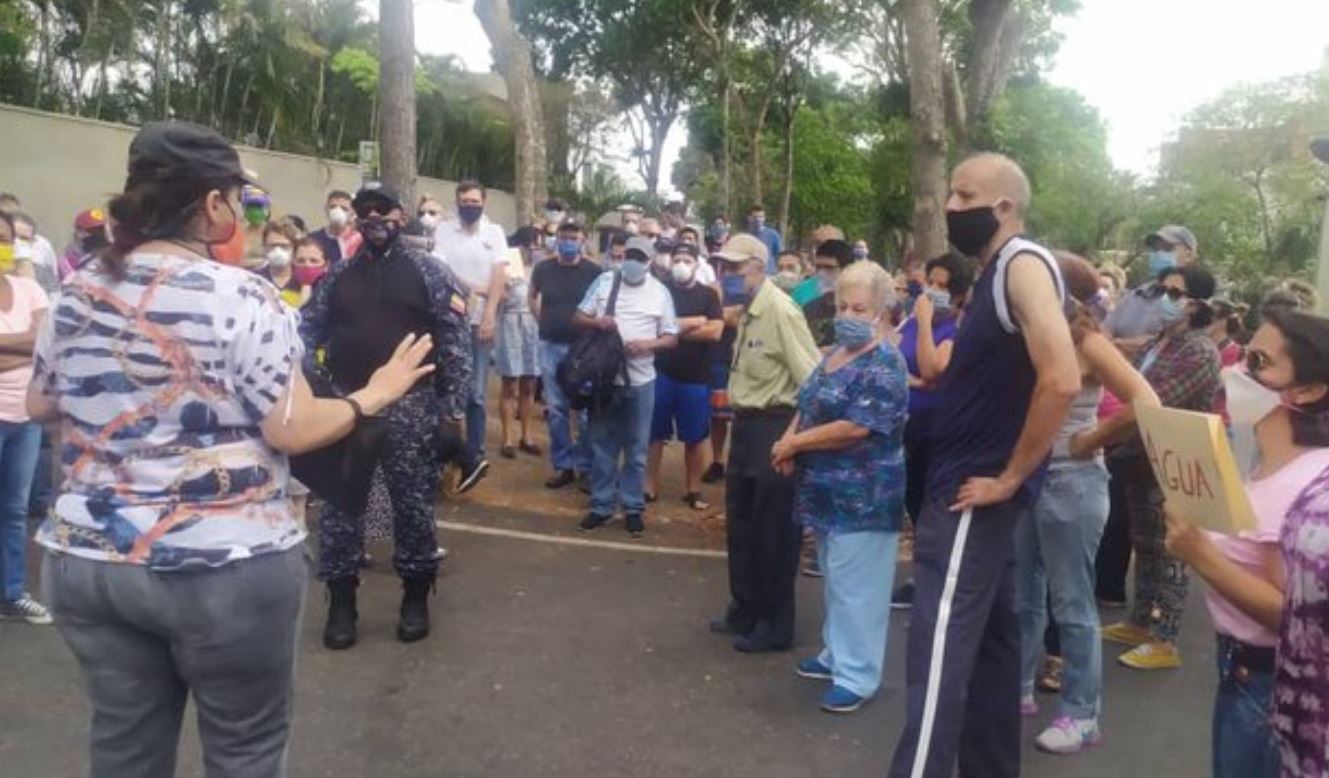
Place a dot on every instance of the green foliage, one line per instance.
(295, 75)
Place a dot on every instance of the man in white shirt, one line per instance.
(644, 318)
(476, 249)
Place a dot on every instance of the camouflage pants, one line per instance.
(409, 468)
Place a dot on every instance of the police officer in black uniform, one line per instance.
(358, 313)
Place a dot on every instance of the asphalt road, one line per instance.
(562, 661)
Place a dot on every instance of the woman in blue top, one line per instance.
(847, 447)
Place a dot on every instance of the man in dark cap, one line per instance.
(358, 313)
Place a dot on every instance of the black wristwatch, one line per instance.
(355, 406)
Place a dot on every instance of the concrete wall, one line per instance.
(58, 165)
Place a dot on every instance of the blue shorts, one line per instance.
(685, 407)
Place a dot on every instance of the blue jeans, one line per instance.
(1243, 745)
(19, 444)
(1056, 542)
(567, 453)
(859, 568)
(475, 404)
(621, 430)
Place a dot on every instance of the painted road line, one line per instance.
(565, 540)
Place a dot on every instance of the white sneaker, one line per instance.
(26, 609)
(1069, 736)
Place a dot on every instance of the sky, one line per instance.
(1142, 63)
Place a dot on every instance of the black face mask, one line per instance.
(379, 236)
(470, 213)
(970, 231)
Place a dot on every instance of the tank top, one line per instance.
(985, 392)
(1082, 416)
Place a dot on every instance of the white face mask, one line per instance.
(337, 216)
(24, 249)
(1248, 401)
(429, 221)
(684, 272)
(632, 228)
(554, 217)
(279, 257)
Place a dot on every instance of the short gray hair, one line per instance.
(866, 274)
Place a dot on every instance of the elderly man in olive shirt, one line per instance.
(774, 353)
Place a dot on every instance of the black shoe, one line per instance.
(713, 474)
(759, 641)
(903, 597)
(414, 623)
(339, 633)
(472, 473)
(593, 521)
(561, 479)
(634, 524)
(584, 483)
(731, 623)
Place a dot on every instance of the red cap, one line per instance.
(91, 219)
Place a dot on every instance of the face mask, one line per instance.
(1248, 400)
(914, 288)
(230, 250)
(379, 236)
(972, 230)
(1160, 261)
(255, 215)
(470, 213)
(6, 257)
(941, 299)
(632, 228)
(554, 217)
(429, 221)
(279, 258)
(569, 251)
(735, 289)
(634, 273)
(860, 252)
(756, 223)
(308, 275)
(1171, 311)
(337, 216)
(852, 333)
(684, 272)
(787, 280)
(826, 280)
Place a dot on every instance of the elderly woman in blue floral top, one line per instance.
(847, 448)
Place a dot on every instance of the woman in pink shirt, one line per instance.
(1283, 392)
(23, 304)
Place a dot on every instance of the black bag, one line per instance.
(596, 360)
(341, 472)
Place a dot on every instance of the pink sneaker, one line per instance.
(1028, 707)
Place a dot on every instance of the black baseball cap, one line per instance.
(175, 150)
(687, 248)
(374, 193)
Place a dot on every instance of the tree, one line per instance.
(927, 110)
(396, 87)
(512, 56)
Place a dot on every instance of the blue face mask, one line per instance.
(860, 252)
(470, 214)
(1171, 311)
(941, 299)
(735, 290)
(914, 288)
(1160, 261)
(634, 272)
(569, 250)
(755, 223)
(852, 333)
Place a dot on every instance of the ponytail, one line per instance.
(152, 210)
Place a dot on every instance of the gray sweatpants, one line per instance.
(146, 639)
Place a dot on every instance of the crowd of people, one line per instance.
(197, 349)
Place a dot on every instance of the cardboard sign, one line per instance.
(1193, 463)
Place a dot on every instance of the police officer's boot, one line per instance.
(340, 630)
(414, 623)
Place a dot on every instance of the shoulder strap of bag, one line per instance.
(613, 293)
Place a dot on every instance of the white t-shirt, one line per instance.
(472, 254)
(643, 312)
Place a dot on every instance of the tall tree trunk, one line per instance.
(927, 113)
(512, 55)
(396, 88)
(726, 147)
(659, 125)
(161, 59)
(787, 193)
(43, 56)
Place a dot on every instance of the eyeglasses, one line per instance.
(381, 209)
(1257, 361)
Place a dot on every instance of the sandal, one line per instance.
(530, 448)
(695, 501)
(508, 452)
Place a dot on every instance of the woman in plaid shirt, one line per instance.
(1182, 366)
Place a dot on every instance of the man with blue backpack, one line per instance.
(639, 309)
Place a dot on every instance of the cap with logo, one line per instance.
(89, 220)
(1172, 234)
(741, 248)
